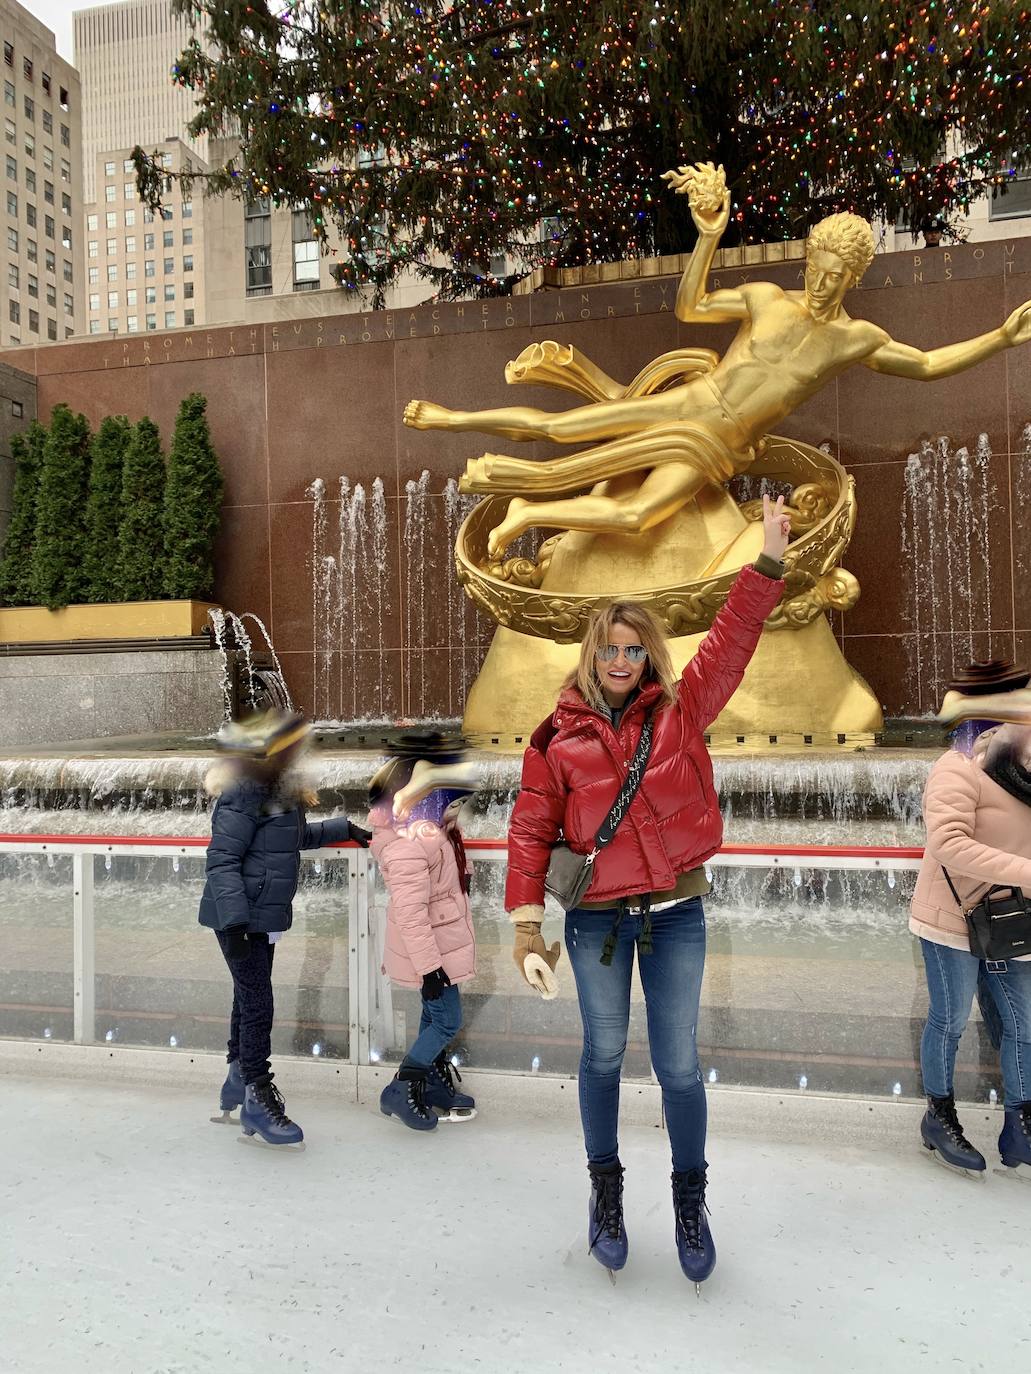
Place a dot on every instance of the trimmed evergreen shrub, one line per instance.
(57, 573)
(193, 500)
(139, 572)
(104, 508)
(16, 563)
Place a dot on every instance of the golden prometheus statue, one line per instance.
(645, 514)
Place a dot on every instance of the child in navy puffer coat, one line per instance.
(258, 830)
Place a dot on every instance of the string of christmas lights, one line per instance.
(448, 138)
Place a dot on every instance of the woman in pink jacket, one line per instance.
(415, 812)
(977, 810)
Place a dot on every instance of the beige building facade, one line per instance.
(144, 269)
(125, 54)
(42, 200)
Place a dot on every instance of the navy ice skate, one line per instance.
(694, 1239)
(1015, 1140)
(264, 1113)
(405, 1097)
(606, 1234)
(442, 1094)
(943, 1135)
(231, 1096)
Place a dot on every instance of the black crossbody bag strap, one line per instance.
(956, 896)
(627, 793)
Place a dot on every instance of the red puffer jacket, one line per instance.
(576, 763)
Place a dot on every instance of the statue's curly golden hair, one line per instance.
(849, 237)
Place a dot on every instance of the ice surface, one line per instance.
(139, 1239)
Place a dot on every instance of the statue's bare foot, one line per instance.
(514, 524)
(428, 415)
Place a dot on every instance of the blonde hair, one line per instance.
(650, 631)
(848, 237)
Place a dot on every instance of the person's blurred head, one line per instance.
(427, 777)
(263, 746)
(980, 690)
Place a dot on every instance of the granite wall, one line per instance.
(358, 592)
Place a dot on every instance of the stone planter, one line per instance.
(117, 620)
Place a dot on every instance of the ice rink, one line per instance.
(140, 1239)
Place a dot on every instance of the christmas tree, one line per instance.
(140, 575)
(104, 507)
(450, 138)
(16, 587)
(57, 573)
(193, 499)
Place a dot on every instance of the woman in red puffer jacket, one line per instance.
(647, 884)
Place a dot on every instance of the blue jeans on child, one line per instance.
(440, 1022)
(952, 980)
(671, 976)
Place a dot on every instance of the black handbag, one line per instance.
(569, 874)
(999, 925)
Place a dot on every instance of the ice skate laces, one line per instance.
(417, 1096)
(945, 1111)
(272, 1100)
(689, 1198)
(608, 1201)
(448, 1074)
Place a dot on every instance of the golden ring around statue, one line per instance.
(822, 507)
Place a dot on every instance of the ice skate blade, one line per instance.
(973, 1175)
(226, 1119)
(1021, 1171)
(293, 1147)
(458, 1114)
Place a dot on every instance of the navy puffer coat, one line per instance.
(254, 857)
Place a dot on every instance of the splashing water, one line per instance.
(415, 585)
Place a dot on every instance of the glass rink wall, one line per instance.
(813, 982)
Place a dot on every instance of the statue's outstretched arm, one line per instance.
(901, 360)
(706, 189)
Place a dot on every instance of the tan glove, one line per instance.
(534, 960)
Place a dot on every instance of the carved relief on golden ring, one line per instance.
(823, 513)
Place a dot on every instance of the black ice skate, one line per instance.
(606, 1233)
(263, 1114)
(1015, 1142)
(695, 1246)
(942, 1134)
(443, 1096)
(231, 1097)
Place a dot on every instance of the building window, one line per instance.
(258, 246)
(62, 98)
(166, 161)
(187, 238)
(33, 286)
(188, 290)
(112, 300)
(112, 247)
(69, 304)
(30, 145)
(188, 263)
(48, 158)
(50, 259)
(48, 122)
(169, 290)
(17, 410)
(66, 236)
(31, 251)
(12, 240)
(94, 300)
(132, 324)
(66, 204)
(130, 218)
(51, 329)
(12, 203)
(109, 169)
(169, 319)
(9, 95)
(187, 317)
(306, 254)
(30, 214)
(9, 54)
(51, 294)
(12, 167)
(46, 82)
(94, 248)
(130, 271)
(148, 243)
(187, 209)
(152, 322)
(128, 166)
(130, 243)
(148, 215)
(150, 295)
(91, 224)
(109, 194)
(12, 275)
(130, 297)
(94, 326)
(48, 194)
(66, 170)
(168, 239)
(112, 271)
(169, 266)
(1011, 202)
(14, 312)
(30, 179)
(26, 66)
(111, 220)
(10, 132)
(66, 138)
(129, 190)
(94, 276)
(34, 321)
(112, 325)
(30, 108)
(148, 267)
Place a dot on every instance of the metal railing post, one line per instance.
(364, 942)
(84, 950)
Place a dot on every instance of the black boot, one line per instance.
(695, 1245)
(606, 1234)
(941, 1133)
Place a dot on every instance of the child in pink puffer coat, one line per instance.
(416, 840)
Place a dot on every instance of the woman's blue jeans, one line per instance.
(440, 1022)
(952, 980)
(671, 976)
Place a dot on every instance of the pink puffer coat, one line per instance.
(429, 920)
